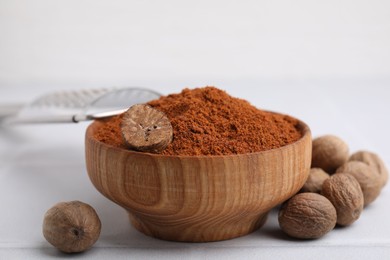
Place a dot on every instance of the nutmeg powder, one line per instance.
(207, 121)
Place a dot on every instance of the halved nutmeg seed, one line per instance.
(146, 129)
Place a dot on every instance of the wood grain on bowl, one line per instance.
(198, 198)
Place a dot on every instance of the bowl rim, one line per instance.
(301, 126)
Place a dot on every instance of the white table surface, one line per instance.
(43, 164)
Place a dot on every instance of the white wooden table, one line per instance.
(43, 164)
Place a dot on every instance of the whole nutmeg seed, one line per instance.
(329, 153)
(307, 216)
(344, 191)
(314, 182)
(71, 227)
(369, 179)
(373, 160)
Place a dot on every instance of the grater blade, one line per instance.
(69, 99)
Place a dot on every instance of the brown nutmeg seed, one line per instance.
(329, 153)
(146, 129)
(369, 179)
(373, 160)
(314, 182)
(71, 227)
(307, 216)
(344, 191)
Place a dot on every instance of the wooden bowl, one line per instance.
(198, 198)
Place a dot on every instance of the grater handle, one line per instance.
(11, 120)
(14, 120)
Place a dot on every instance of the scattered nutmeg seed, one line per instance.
(369, 179)
(344, 191)
(340, 198)
(146, 129)
(307, 216)
(314, 182)
(372, 159)
(329, 152)
(71, 227)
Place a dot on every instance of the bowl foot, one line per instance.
(207, 231)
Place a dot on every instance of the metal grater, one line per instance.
(76, 106)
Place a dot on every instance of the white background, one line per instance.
(325, 62)
(101, 42)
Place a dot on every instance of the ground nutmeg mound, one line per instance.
(207, 121)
